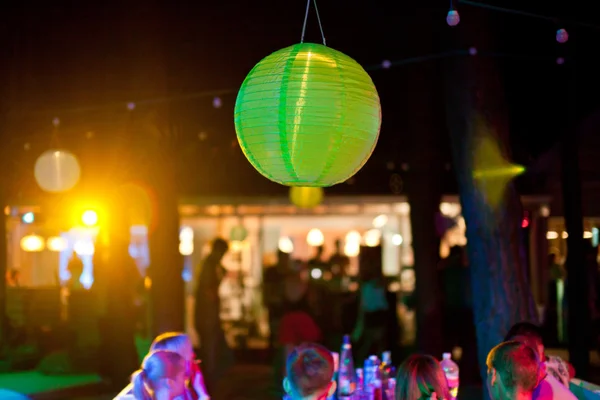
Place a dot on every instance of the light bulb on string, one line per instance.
(386, 64)
(131, 106)
(562, 36)
(560, 61)
(56, 122)
(217, 103)
(473, 51)
(453, 18)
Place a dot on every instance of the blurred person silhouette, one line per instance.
(75, 268)
(215, 353)
(273, 294)
(421, 377)
(309, 373)
(371, 327)
(181, 344)
(12, 277)
(161, 377)
(457, 309)
(513, 371)
(339, 262)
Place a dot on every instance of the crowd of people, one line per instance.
(517, 369)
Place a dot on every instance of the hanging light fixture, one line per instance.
(32, 243)
(286, 245)
(315, 238)
(352, 249)
(372, 238)
(56, 243)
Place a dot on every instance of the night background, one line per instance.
(145, 91)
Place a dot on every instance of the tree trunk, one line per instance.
(425, 170)
(501, 292)
(149, 75)
(166, 264)
(577, 290)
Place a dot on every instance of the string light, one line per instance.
(453, 18)
(562, 36)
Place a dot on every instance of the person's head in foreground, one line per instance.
(513, 371)
(529, 334)
(178, 342)
(421, 377)
(162, 377)
(309, 370)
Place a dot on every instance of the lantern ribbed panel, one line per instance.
(57, 171)
(307, 115)
(306, 197)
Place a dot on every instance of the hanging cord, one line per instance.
(318, 20)
(527, 14)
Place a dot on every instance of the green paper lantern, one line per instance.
(238, 233)
(307, 115)
(306, 197)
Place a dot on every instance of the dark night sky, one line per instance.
(83, 61)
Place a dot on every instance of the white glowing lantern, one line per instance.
(397, 239)
(372, 238)
(186, 234)
(186, 241)
(56, 243)
(380, 221)
(186, 248)
(315, 238)
(352, 249)
(286, 245)
(32, 243)
(551, 235)
(84, 248)
(57, 171)
(353, 237)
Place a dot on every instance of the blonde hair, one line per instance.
(173, 341)
(421, 377)
(156, 367)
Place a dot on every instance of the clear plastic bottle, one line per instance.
(346, 374)
(452, 374)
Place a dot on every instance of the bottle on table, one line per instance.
(360, 384)
(452, 374)
(377, 390)
(346, 374)
(390, 391)
(386, 369)
(371, 371)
